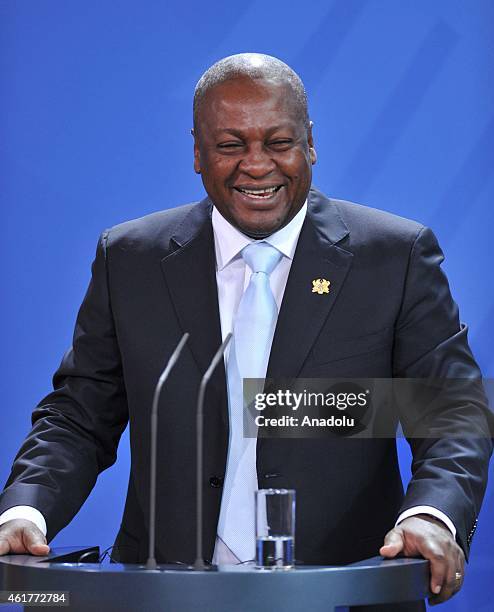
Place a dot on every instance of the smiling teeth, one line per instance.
(259, 192)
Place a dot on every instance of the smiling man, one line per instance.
(253, 143)
(388, 313)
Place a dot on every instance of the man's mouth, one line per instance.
(259, 193)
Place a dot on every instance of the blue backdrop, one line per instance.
(95, 118)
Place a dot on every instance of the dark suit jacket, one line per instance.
(389, 313)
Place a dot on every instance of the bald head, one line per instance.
(255, 66)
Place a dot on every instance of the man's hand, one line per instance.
(425, 536)
(20, 537)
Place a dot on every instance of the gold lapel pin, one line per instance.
(320, 286)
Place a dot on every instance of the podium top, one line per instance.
(240, 587)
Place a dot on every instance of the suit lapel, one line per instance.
(303, 312)
(189, 273)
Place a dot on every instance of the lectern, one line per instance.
(118, 587)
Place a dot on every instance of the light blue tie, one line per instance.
(253, 331)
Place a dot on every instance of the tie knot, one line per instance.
(261, 257)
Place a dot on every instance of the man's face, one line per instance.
(254, 154)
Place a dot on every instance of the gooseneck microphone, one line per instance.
(199, 562)
(151, 562)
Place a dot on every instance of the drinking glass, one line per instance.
(275, 528)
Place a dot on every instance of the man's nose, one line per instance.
(257, 161)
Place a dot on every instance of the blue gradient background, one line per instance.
(95, 117)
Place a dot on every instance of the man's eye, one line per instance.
(229, 145)
(280, 143)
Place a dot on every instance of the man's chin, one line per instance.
(262, 224)
(259, 232)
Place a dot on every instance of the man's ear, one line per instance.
(197, 156)
(310, 140)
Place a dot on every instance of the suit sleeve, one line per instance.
(449, 467)
(76, 428)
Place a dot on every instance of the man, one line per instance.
(388, 313)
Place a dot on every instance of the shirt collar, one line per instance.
(229, 241)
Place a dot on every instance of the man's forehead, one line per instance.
(241, 123)
(250, 101)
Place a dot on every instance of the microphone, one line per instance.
(199, 562)
(151, 562)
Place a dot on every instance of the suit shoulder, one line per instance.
(358, 214)
(370, 224)
(151, 230)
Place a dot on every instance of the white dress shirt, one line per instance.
(232, 277)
